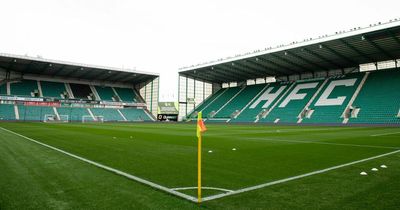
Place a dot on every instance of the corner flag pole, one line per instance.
(200, 129)
(199, 169)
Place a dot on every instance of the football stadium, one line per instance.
(308, 125)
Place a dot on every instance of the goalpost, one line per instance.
(89, 118)
(53, 118)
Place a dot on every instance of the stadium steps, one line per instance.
(150, 115)
(134, 115)
(122, 115)
(220, 101)
(126, 94)
(353, 98)
(95, 93)
(105, 93)
(205, 103)
(250, 102)
(116, 94)
(311, 100)
(251, 112)
(279, 99)
(379, 99)
(69, 90)
(239, 101)
(229, 101)
(53, 89)
(289, 113)
(39, 88)
(56, 113)
(7, 112)
(16, 111)
(108, 114)
(333, 113)
(91, 114)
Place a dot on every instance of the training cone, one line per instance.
(383, 166)
(374, 169)
(363, 173)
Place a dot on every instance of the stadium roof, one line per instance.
(70, 70)
(342, 50)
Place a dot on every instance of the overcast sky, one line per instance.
(162, 36)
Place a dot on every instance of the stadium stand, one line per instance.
(289, 108)
(262, 102)
(338, 92)
(7, 112)
(53, 89)
(379, 100)
(106, 93)
(81, 91)
(126, 94)
(75, 114)
(239, 101)
(318, 101)
(216, 104)
(348, 74)
(24, 88)
(108, 114)
(37, 89)
(34, 113)
(3, 88)
(206, 103)
(132, 114)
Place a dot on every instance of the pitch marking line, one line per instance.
(121, 173)
(327, 143)
(385, 134)
(187, 197)
(207, 188)
(213, 197)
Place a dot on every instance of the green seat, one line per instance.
(241, 100)
(7, 112)
(52, 89)
(108, 114)
(379, 99)
(290, 113)
(220, 101)
(127, 94)
(3, 89)
(132, 114)
(105, 93)
(74, 114)
(34, 113)
(333, 114)
(23, 88)
(205, 103)
(250, 113)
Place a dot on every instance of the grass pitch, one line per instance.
(36, 177)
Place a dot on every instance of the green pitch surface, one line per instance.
(245, 166)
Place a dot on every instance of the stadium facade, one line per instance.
(37, 89)
(348, 77)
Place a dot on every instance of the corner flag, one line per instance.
(200, 125)
(200, 129)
